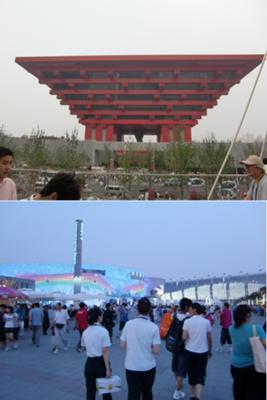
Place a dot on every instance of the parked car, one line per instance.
(196, 182)
(115, 189)
(228, 185)
(173, 182)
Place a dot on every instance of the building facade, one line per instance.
(161, 95)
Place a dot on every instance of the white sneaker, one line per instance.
(178, 395)
(55, 351)
(7, 348)
(65, 348)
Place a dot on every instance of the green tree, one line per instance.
(128, 159)
(36, 153)
(5, 139)
(252, 148)
(69, 156)
(179, 156)
(211, 156)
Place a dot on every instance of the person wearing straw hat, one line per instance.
(255, 169)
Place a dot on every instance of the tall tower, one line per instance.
(78, 257)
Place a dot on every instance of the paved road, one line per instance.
(37, 374)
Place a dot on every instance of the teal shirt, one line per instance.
(242, 355)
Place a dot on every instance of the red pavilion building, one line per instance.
(139, 95)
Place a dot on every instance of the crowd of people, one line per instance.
(66, 186)
(185, 329)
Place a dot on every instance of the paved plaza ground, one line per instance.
(38, 374)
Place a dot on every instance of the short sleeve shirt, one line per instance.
(140, 334)
(242, 355)
(8, 189)
(94, 339)
(258, 190)
(197, 328)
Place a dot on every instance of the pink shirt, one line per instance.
(226, 318)
(8, 189)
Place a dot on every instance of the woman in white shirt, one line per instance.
(10, 319)
(140, 337)
(197, 336)
(96, 341)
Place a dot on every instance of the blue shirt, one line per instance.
(242, 355)
(36, 316)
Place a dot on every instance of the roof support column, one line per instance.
(88, 132)
(164, 134)
(110, 132)
(187, 134)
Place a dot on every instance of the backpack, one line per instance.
(174, 342)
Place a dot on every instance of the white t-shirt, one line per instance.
(61, 317)
(9, 320)
(94, 338)
(197, 328)
(140, 334)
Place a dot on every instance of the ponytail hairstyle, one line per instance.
(240, 315)
(93, 315)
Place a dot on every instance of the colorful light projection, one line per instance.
(95, 279)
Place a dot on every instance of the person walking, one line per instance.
(96, 341)
(179, 361)
(81, 318)
(36, 317)
(9, 318)
(108, 319)
(226, 322)
(247, 383)
(46, 322)
(61, 319)
(123, 316)
(140, 337)
(198, 343)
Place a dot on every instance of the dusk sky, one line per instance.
(105, 27)
(165, 239)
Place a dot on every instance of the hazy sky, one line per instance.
(165, 239)
(86, 27)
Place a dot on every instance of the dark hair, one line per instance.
(82, 305)
(144, 306)
(264, 160)
(65, 185)
(198, 308)
(93, 315)
(108, 305)
(240, 314)
(185, 303)
(37, 304)
(227, 305)
(11, 309)
(4, 151)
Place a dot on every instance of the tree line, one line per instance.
(177, 157)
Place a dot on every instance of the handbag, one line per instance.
(259, 352)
